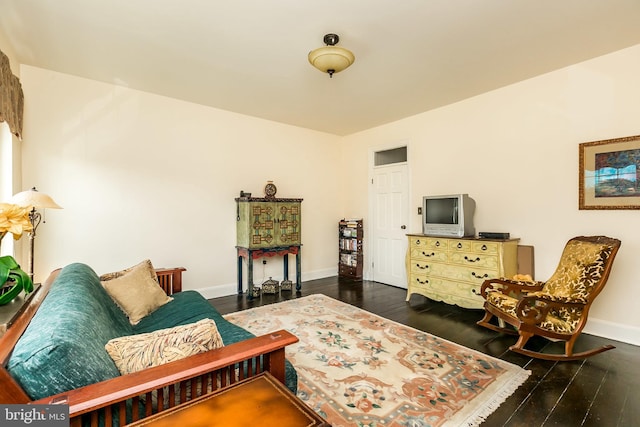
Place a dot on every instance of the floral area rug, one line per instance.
(358, 369)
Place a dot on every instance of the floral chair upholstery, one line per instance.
(556, 309)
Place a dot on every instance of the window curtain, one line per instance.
(11, 97)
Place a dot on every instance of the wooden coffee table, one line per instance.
(261, 400)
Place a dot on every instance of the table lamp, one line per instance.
(36, 200)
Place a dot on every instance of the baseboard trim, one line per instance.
(218, 291)
(614, 331)
(320, 274)
(227, 289)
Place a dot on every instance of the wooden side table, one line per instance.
(10, 312)
(261, 400)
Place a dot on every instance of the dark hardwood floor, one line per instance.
(603, 390)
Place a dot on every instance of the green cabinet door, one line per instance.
(266, 223)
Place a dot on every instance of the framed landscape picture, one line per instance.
(609, 174)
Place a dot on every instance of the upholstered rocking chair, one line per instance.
(556, 309)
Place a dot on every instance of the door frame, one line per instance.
(368, 258)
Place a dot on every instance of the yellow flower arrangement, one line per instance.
(14, 219)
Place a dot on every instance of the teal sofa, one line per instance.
(63, 349)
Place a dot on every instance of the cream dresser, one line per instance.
(453, 269)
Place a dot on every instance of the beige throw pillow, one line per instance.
(135, 290)
(136, 352)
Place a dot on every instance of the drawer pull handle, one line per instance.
(437, 243)
(484, 247)
(472, 260)
(421, 267)
(428, 255)
(417, 241)
(477, 276)
(459, 245)
(422, 282)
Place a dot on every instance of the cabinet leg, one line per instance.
(298, 270)
(250, 277)
(239, 275)
(285, 263)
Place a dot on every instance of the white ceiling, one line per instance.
(250, 56)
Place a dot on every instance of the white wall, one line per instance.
(515, 151)
(145, 176)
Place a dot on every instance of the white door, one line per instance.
(390, 219)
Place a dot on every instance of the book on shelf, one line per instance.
(349, 232)
(349, 245)
(351, 222)
(349, 260)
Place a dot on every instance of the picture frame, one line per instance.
(609, 174)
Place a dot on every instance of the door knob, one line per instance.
(404, 227)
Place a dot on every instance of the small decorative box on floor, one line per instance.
(255, 292)
(270, 286)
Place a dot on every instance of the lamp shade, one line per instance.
(331, 58)
(35, 199)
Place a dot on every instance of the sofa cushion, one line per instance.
(134, 353)
(136, 290)
(189, 307)
(63, 347)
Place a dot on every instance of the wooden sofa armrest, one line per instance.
(170, 279)
(10, 390)
(220, 367)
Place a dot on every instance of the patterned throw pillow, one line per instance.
(136, 352)
(135, 290)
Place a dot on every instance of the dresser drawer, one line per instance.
(473, 301)
(420, 267)
(420, 281)
(460, 245)
(475, 260)
(474, 246)
(428, 254)
(466, 274)
(431, 268)
(417, 242)
(426, 282)
(492, 248)
(429, 242)
(460, 289)
(438, 243)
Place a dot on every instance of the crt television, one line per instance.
(448, 216)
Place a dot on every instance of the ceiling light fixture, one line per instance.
(331, 58)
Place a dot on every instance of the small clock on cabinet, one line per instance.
(270, 189)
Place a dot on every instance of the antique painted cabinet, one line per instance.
(267, 227)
